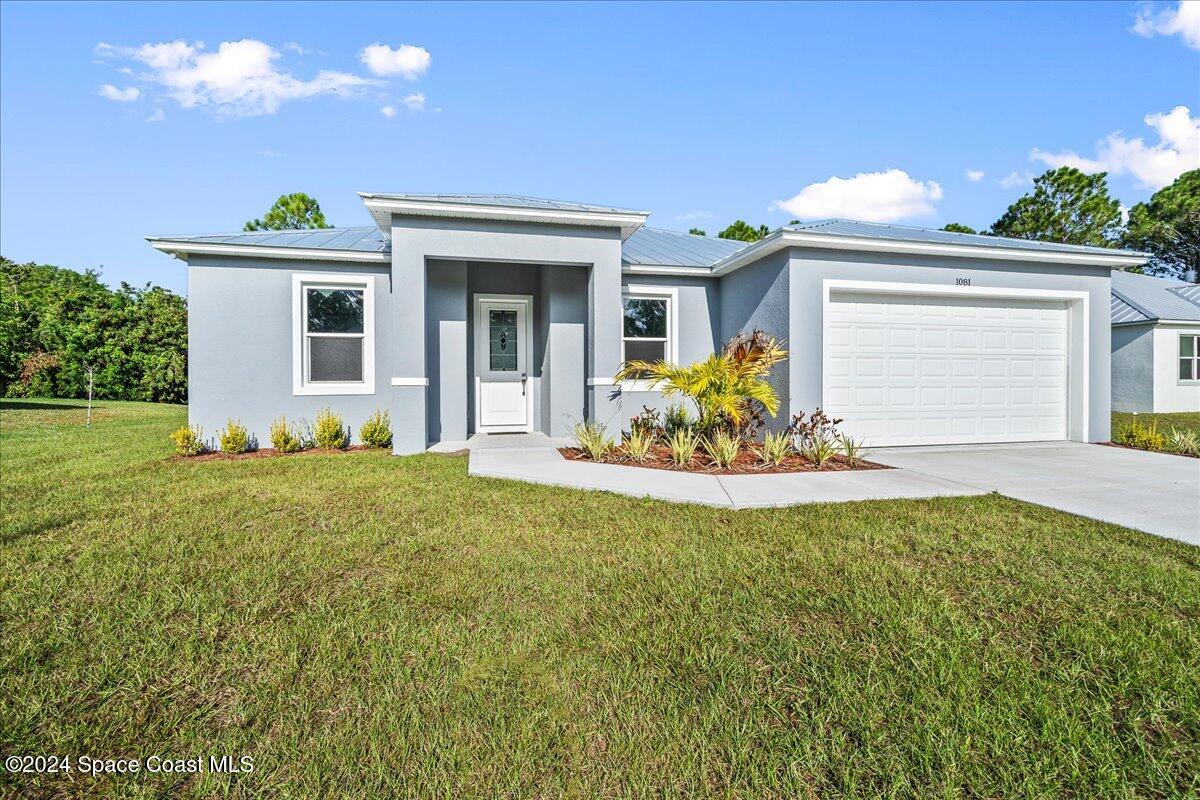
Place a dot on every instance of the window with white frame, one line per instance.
(1189, 357)
(334, 349)
(648, 327)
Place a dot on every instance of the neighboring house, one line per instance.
(1155, 344)
(469, 314)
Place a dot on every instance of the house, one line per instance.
(1155, 344)
(467, 314)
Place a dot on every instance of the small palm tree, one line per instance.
(723, 385)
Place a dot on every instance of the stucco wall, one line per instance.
(240, 335)
(1170, 393)
(809, 268)
(1133, 368)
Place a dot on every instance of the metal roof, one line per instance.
(657, 247)
(367, 239)
(507, 200)
(876, 230)
(1144, 298)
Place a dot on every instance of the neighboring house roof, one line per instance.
(1144, 298)
(657, 247)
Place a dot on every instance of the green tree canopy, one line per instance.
(744, 232)
(1168, 227)
(295, 211)
(958, 227)
(56, 322)
(696, 232)
(1065, 206)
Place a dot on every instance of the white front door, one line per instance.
(503, 394)
(913, 370)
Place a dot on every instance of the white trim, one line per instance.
(410, 381)
(601, 382)
(383, 206)
(656, 269)
(671, 295)
(480, 336)
(783, 239)
(183, 249)
(302, 280)
(1079, 318)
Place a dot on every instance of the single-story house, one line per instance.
(466, 314)
(1155, 344)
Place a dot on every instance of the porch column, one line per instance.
(605, 318)
(408, 376)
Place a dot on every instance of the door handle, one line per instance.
(524, 378)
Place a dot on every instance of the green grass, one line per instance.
(371, 626)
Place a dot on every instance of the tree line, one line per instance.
(1071, 207)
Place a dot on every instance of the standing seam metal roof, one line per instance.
(510, 200)
(360, 240)
(657, 247)
(1153, 298)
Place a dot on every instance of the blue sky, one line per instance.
(700, 114)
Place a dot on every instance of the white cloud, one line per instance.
(119, 95)
(1177, 151)
(871, 196)
(974, 175)
(406, 60)
(157, 116)
(1014, 179)
(241, 78)
(415, 101)
(388, 111)
(1184, 20)
(695, 214)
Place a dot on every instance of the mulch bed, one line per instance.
(747, 463)
(269, 452)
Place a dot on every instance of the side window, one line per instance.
(334, 347)
(1189, 357)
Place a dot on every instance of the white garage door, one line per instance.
(908, 370)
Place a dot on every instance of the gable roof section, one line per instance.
(903, 233)
(654, 247)
(1144, 298)
(506, 207)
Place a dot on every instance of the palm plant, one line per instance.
(723, 385)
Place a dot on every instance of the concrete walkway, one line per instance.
(535, 459)
(1152, 492)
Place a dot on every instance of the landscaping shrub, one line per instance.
(853, 449)
(683, 443)
(723, 448)
(675, 419)
(728, 388)
(377, 430)
(638, 443)
(819, 448)
(1184, 441)
(330, 431)
(818, 426)
(189, 440)
(775, 448)
(593, 439)
(285, 438)
(1143, 437)
(234, 438)
(647, 422)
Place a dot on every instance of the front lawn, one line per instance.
(370, 626)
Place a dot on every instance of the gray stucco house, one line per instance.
(1155, 344)
(467, 314)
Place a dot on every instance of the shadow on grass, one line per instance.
(37, 405)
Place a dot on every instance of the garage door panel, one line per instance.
(933, 370)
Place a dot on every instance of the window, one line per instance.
(649, 324)
(1189, 357)
(334, 347)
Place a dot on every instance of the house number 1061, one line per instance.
(962, 281)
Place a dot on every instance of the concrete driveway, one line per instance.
(1152, 492)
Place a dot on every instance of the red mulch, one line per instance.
(268, 452)
(747, 462)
